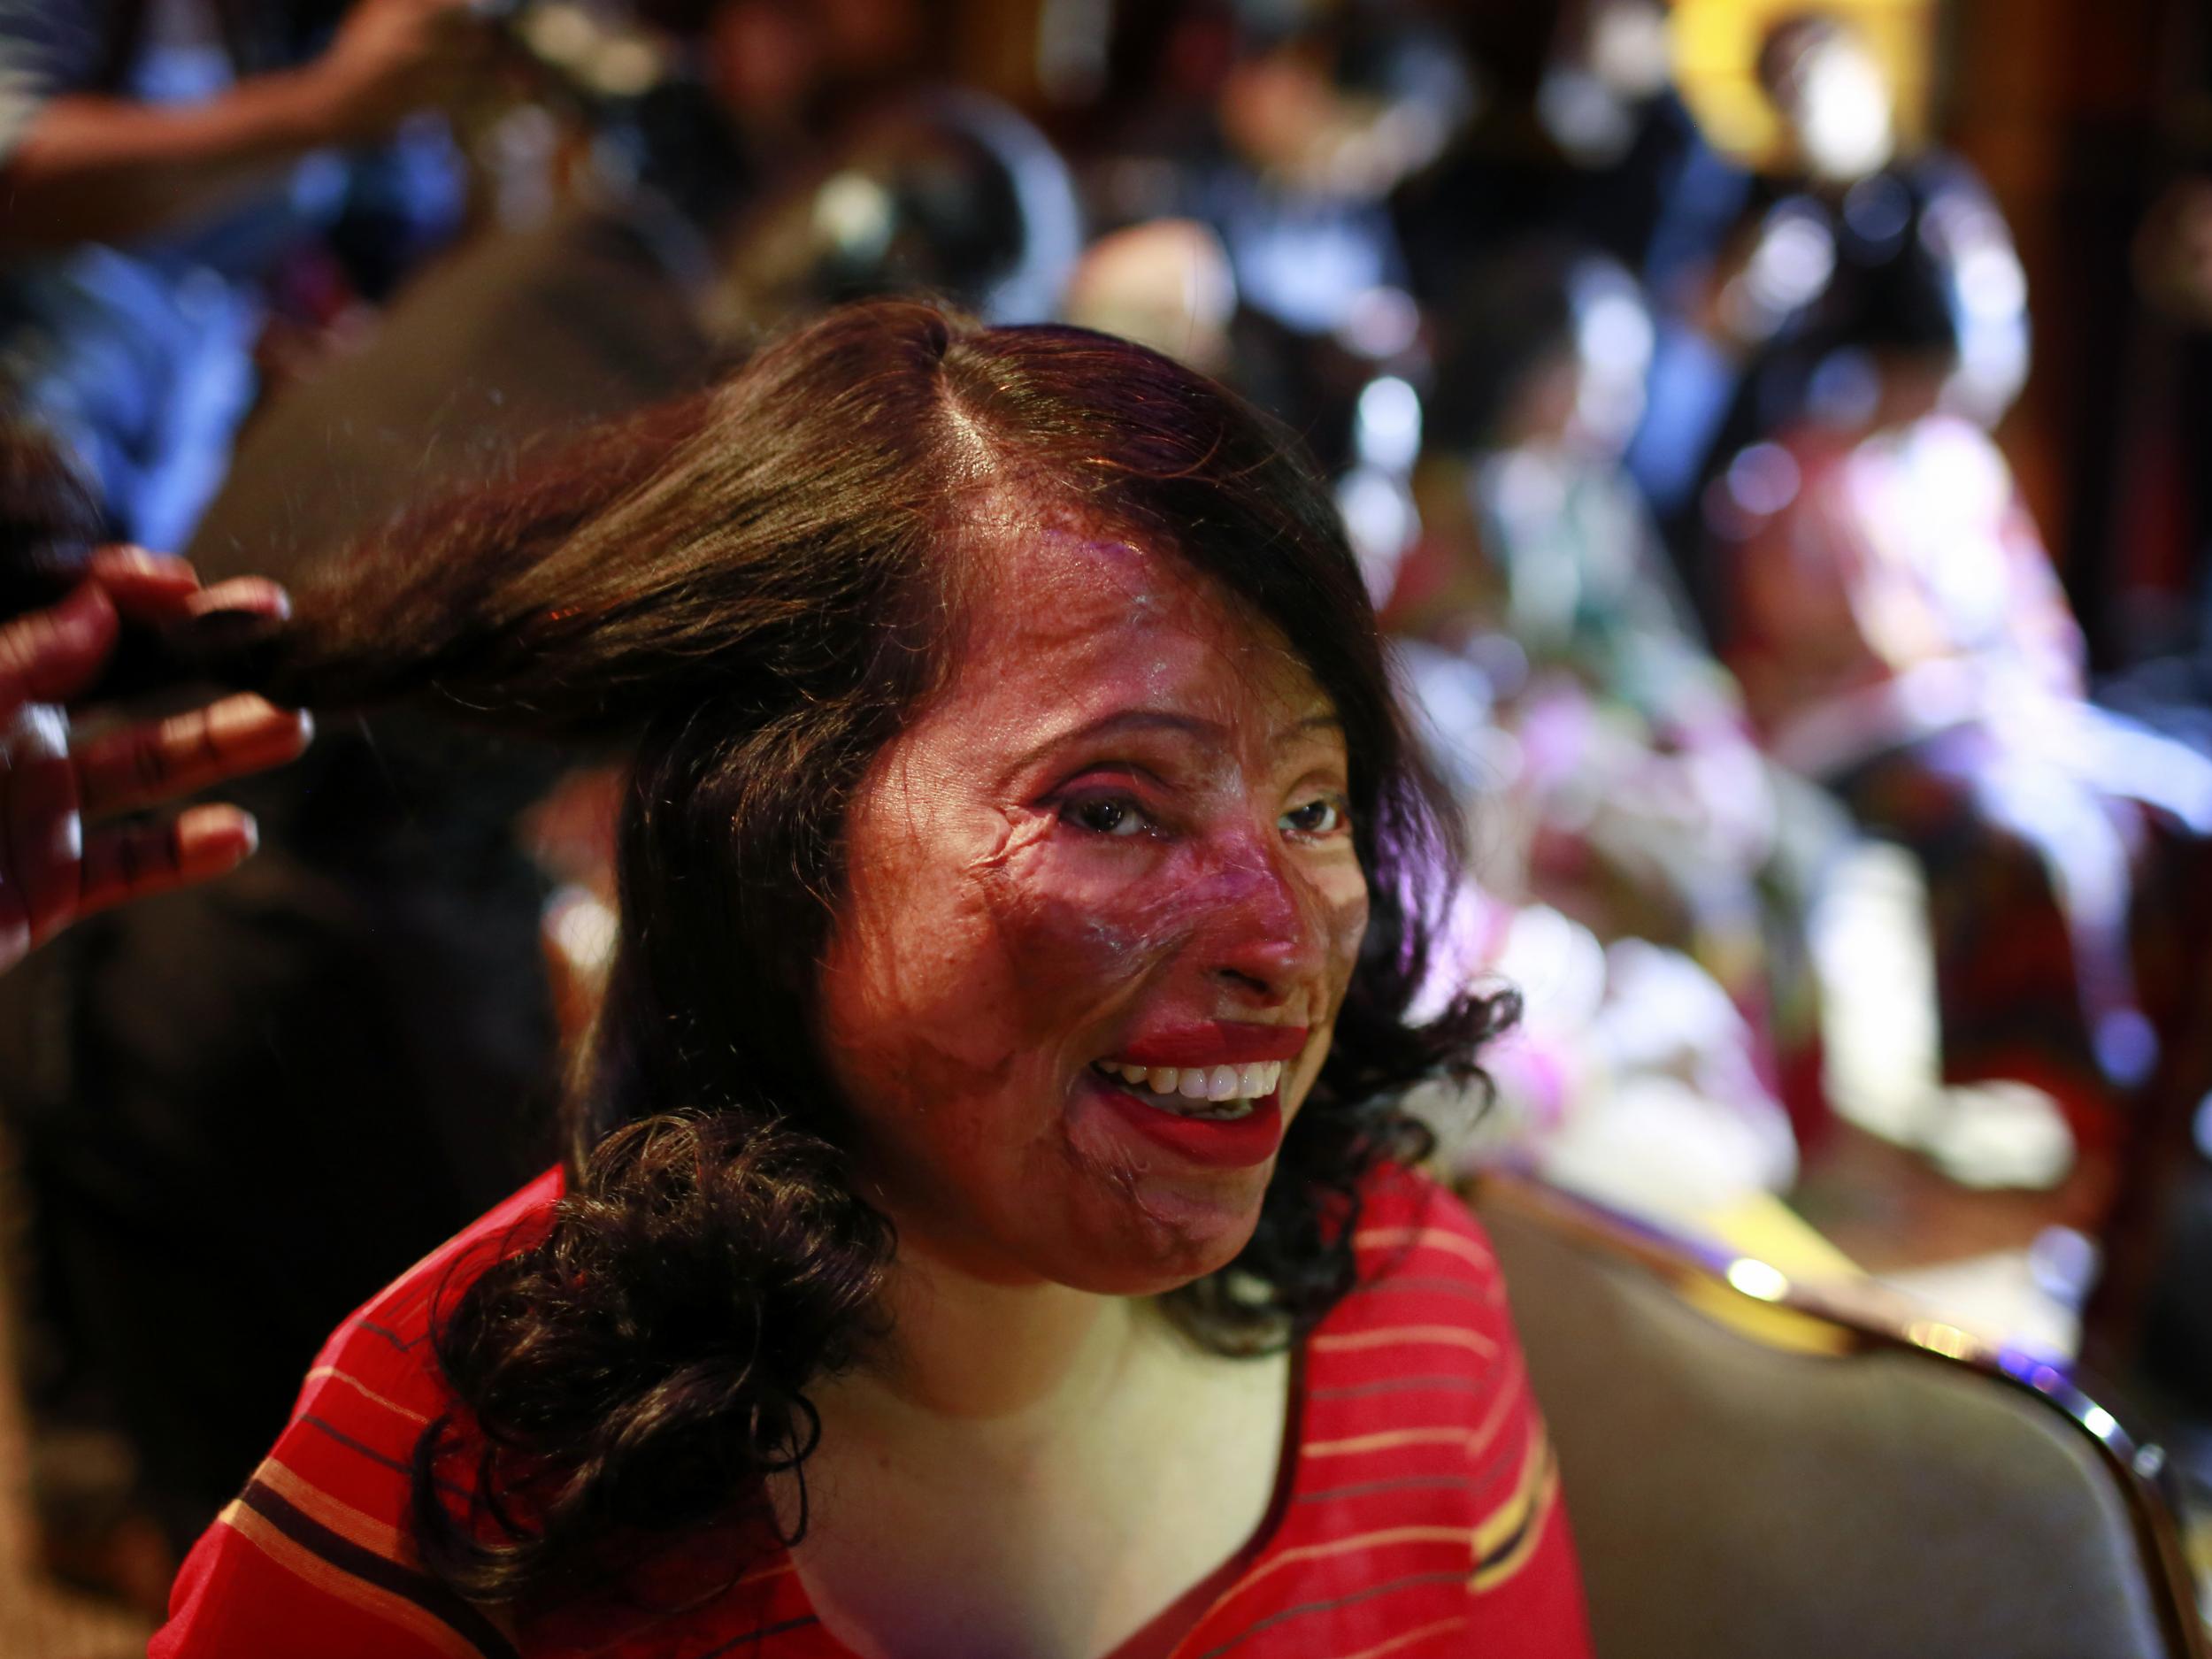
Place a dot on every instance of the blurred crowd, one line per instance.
(1718, 605)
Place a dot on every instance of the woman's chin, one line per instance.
(1163, 1235)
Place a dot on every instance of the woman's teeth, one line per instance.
(1233, 1087)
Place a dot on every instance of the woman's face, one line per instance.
(1115, 849)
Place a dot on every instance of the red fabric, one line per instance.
(1420, 1516)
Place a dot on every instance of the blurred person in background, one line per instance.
(1647, 187)
(1833, 213)
(192, 1083)
(154, 160)
(1901, 637)
(1282, 130)
(939, 189)
(1579, 132)
(1167, 284)
(2152, 1317)
(2169, 685)
(1632, 1075)
(1650, 812)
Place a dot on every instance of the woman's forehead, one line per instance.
(1084, 618)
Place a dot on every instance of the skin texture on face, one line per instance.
(1123, 821)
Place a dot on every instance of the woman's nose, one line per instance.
(1264, 933)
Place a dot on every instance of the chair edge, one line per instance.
(1870, 1318)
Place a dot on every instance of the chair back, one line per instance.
(1836, 1486)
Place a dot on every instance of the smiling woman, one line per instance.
(1117, 841)
(985, 1228)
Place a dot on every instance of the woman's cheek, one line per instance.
(1340, 900)
(1340, 891)
(912, 1022)
(1079, 924)
(915, 983)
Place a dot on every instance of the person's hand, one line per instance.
(392, 57)
(53, 868)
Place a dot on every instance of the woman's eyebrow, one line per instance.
(1127, 720)
(1187, 726)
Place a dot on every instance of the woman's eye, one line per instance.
(1106, 814)
(1323, 816)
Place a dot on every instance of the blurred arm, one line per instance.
(88, 167)
(97, 169)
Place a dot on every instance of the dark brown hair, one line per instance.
(747, 593)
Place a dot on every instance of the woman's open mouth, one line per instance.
(1219, 1117)
(1210, 1091)
(1206, 1093)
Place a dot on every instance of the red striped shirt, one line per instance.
(1420, 1512)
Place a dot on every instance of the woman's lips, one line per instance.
(1212, 1042)
(1221, 1143)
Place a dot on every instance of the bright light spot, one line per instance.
(1529, 488)
(1388, 433)
(1946, 1340)
(560, 33)
(1614, 334)
(585, 928)
(625, 67)
(1381, 523)
(2126, 1044)
(1990, 280)
(1756, 1279)
(1846, 117)
(1586, 116)
(1630, 49)
(2063, 1264)
(2100, 1423)
(854, 213)
(1617, 332)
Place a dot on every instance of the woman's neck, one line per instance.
(967, 1349)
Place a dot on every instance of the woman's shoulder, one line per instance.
(396, 1320)
(316, 1543)
(1421, 1352)
(1425, 1517)
(1426, 1315)
(1414, 1231)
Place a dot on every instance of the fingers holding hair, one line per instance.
(139, 765)
(56, 653)
(143, 584)
(137, 860)
(53, 868)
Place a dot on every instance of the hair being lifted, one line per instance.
(745, 594)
